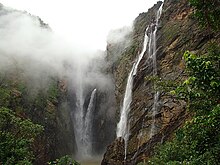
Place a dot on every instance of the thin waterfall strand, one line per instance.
(83, 124)
(78, 116)
(152, 47)
(88, 124)
(123, 125)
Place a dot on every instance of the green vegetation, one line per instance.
(141, 163)
(198, 142)
(16, 137)
(65, 160)
(21, 141)
(207, 12)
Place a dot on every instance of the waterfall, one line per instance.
(123, 125)
(88, 124)
(152, 54)
(146, 38)
(83, 124)
(78, 116)
(150, 42)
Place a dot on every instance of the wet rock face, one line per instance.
(178, 32)
(103, 121)
(122, 66)
(116, 156)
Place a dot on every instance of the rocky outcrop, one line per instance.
(177, 33)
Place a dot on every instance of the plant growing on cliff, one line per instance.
(198, 142)
(16, 137)
(207, 12)
(202, 88)
(39, 106)
(65, 160)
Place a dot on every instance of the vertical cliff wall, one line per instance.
(178, 32)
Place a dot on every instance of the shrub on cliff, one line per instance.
(198, 142)
(65, 160)
(16, 137)
(207, 12)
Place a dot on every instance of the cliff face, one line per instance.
(178, 32)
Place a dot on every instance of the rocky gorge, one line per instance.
(116, 105)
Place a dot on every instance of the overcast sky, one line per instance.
(84, 22)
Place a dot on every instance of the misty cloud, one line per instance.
(118, 40)
(39, 53)
(119, 35)
(29, 49)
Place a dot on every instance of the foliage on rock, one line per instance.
(65, 160)
(39, 106)
(198, 142)
(201, 89)
(207, 12)
(16, 137)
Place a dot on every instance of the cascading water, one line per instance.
(83, 125)
(78, 116)
(152, 54)
(123, 126)
(88, 123)
(150, 42)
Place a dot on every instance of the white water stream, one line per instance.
(153, 55)
(88, 124)
(150, 42)
(83, 125)
(123, 125)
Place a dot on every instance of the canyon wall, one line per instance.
(178, 32)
